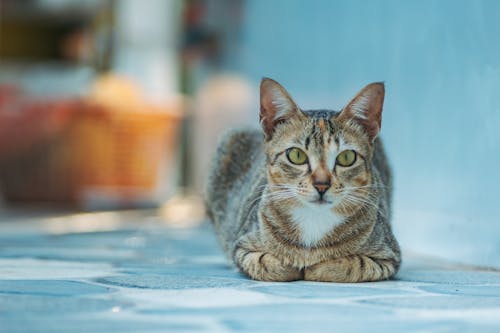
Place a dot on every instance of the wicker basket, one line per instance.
(98, 154)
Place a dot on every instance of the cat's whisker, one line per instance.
(281, 195)
(365, 188)
(355, 196)
(285, 192)
(288, 192)
(281, 186)
(262, 188)
(354, 202)
(365, 202)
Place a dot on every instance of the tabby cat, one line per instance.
(309, 196)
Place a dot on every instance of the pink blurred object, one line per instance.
(26, 123)
(76, 150)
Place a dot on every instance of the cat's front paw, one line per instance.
(356, 268)
(264, 266)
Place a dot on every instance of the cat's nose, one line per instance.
(322, 187)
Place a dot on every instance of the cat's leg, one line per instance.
(356, 268)
(260, 265)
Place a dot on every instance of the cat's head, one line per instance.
(320, 158)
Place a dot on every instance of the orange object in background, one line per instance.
(86, 153)
(26, 122)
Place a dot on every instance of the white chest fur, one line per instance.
(315, 222)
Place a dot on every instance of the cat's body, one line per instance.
(283, 218)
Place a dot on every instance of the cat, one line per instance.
(308, 197)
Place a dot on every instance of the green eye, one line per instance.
(296, 155)
(346, 158)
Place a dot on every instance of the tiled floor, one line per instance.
(111, 275)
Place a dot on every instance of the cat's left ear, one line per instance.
(366, 109)
(276, 106)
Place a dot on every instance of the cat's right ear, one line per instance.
(276, 106)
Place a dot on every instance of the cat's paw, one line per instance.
(264, 266)
(356, 268)
(334, 270)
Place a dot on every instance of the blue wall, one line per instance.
(441, 64)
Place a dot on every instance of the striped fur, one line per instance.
(268, 213)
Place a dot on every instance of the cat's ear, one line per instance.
(276, 106)
(366, 108)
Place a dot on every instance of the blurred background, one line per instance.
(119, 104)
